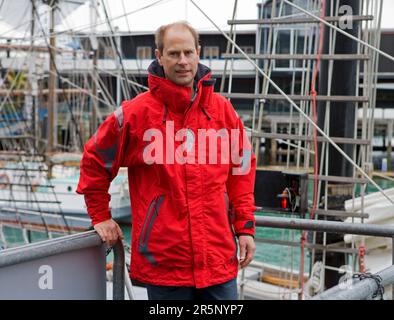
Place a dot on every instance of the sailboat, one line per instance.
(39, 173)
(294, 49)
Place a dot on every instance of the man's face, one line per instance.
(179, 57)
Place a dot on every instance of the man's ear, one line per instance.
(198, 51)
(158, 56)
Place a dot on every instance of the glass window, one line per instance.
(283, 46)
(144, 53)
(211, 52)
(248, 49)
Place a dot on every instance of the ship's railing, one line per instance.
(366, 287)
(69, 267)
(369, 287)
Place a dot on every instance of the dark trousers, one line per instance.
(223, 291)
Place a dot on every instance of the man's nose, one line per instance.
(182, 58)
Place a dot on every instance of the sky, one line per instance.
(172, 10)
(150, 17)
(388, 13)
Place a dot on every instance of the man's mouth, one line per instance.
(182, 71)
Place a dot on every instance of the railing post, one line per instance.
(118, 271)
(392, 261)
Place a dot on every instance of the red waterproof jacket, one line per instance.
(184, 215)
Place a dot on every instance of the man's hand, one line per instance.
(109, 231)
(247, 249)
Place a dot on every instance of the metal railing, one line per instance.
(361, 290)
(67, 244)
(118, 272)
(366, 286)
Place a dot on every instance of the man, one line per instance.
(186, 210)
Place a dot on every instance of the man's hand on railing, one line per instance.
(109, 231)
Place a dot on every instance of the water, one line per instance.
(275, 254)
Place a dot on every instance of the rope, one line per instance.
(287, 98)
(316, 155)
(378, 279)
(340, 30)
(361, 253)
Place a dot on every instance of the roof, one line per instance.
(148, 15)
(137, 16)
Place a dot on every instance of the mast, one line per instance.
(94, 45)
(33, 82)
(51, 133)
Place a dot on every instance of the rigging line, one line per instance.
(73, 83)
(128, 80)
(305, 83)
(115, 45)
(58, 74)
(86, 90)
(100, 69)
(88, 26)
(313, 93)
(19, 25)
(314, 107)
(64, 16)
(268, 67)
(23, 163)
(104, 91)
(131, 40)
(120, 58)
(292, 144)
(13, 84)
(375, 68)
(223, 80)
(297, 107)
(341, 31)
(12, 143)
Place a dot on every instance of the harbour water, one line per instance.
(274, 254)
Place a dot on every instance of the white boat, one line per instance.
(57, 195)
(381, 211)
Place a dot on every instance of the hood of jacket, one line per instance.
(175, 97)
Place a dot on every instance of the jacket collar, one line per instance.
(177, 98)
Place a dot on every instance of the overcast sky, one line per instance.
(388, 14)
(142, 17)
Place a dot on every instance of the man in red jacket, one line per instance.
(191, 177)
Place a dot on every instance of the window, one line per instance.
(144, 53)
(289, 41)
(248, 49)
(283, 46)
(211, 52)
(109, 53)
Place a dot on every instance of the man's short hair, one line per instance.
(160, 33)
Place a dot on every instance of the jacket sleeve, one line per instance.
(240, 182)
(102, 157)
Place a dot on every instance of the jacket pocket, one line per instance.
(150, 217)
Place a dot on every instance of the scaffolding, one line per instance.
(311, 29)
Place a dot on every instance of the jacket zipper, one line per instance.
(229, 223)
(149, 219)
